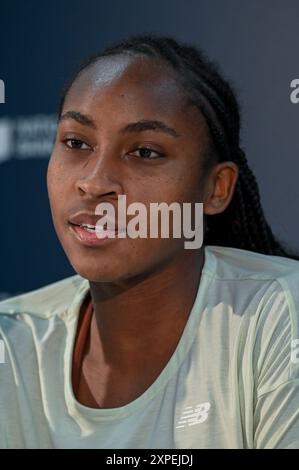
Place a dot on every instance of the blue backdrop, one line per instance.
(41, 42)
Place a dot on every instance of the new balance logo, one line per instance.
(194, 415)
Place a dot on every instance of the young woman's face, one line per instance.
(97, 157)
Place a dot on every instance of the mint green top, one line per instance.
(232, 382)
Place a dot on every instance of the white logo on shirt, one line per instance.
(194, 415)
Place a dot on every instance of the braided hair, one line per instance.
(242, 224)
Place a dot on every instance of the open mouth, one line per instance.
(91, 228)
(92, 233)
(95, 228)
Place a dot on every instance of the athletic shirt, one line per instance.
(232, 381)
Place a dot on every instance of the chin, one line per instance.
(98, 274)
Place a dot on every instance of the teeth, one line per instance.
(92, 228)
(88, 226)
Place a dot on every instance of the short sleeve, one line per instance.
(277, 418)
(276, 369)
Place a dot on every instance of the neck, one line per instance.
(145, 317)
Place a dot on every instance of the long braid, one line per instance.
(242, 224)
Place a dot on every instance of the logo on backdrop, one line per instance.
(27, 136)
(2, 92)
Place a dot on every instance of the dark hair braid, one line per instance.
(242, 224)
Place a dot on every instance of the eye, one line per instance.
(76, 144)
(147, 153)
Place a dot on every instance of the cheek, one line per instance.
(181, 187)
(161, 187)
(56, 181)
(188, 186)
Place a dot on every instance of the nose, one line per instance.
(101, 177)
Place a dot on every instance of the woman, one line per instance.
(152, 345)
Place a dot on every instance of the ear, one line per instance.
(220, 187)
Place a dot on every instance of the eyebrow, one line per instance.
(138, 126)
(79, 117)
(150, 125)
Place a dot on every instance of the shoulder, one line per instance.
(44, 302)
(263, 291)
(234, 263)
(37, 320)
(255, 282)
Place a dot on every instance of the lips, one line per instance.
(91, 236)
(88, 226)
(87, 220)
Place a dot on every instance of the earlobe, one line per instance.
(213, 206)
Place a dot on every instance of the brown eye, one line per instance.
(148, 153)
(76, 144)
